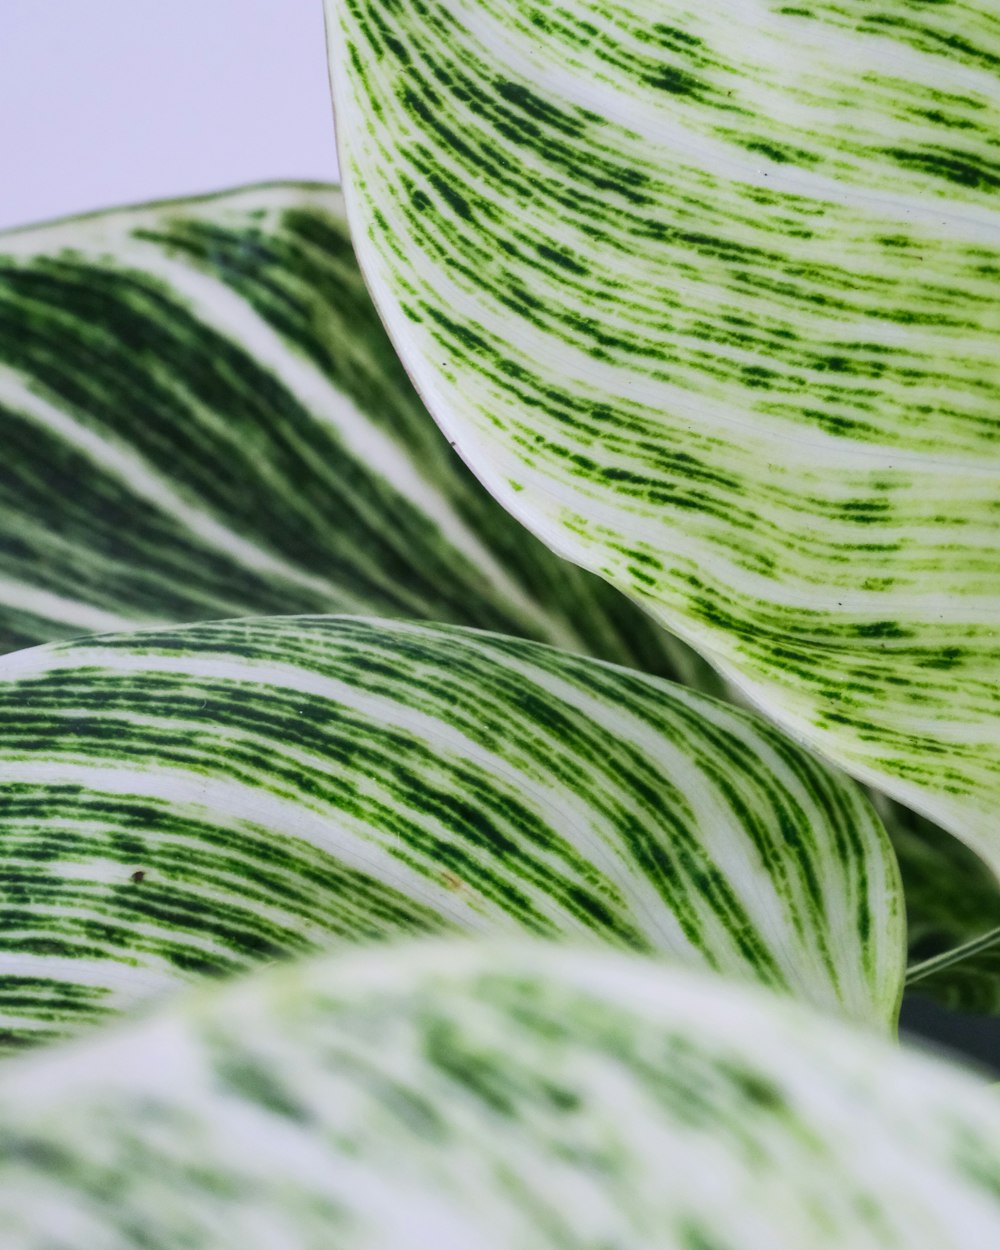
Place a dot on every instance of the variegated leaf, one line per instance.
(202, 417)
(707, 295)
(154, 293)
(483, 1096)
(196, 800)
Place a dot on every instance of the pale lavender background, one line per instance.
(107, 102)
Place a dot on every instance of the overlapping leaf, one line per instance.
(193, 801)
(707, 295)
(202, 417)
(486, 1097)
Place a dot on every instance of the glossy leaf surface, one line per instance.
(194, 801)
(707, 295)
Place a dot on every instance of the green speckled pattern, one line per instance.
(707, 293)
(194, 801)
(485, 1097)
(202, 417)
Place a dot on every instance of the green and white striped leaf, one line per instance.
(202, 417)
(707, 295)
(172, 276)
(486, 1097)
(194, 801)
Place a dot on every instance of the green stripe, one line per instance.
(203, 417)
(194, 801)
(707, 297)
(484, 1095)
(81, 548)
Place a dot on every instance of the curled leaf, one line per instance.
(707, 295)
